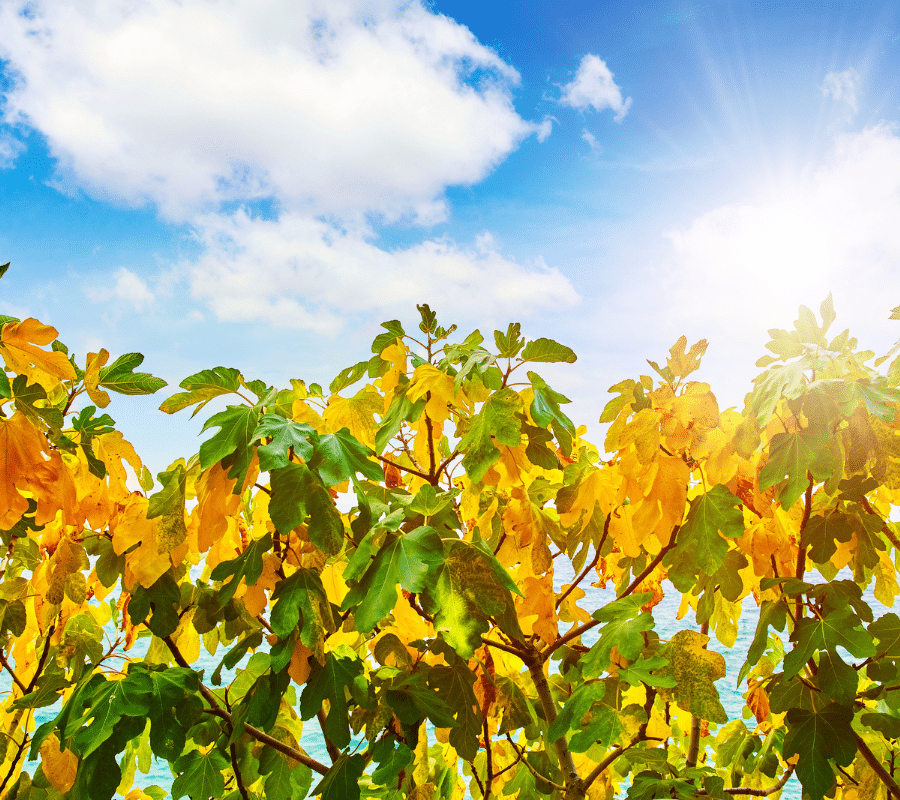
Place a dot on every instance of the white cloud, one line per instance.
(129, 287)
(594, 87)
(744, 268)
(10, 148)
(841, 86)
(343, 115)
(303, 273)
(347, 108)
(589, 137)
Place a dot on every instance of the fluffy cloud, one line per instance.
(302, 273)
(342, 115)
(337, 108)
(129, 287)
(841, 86)
(594, 87)
(744, 268)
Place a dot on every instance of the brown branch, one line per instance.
(877, 767)
(864, 502)
(489, 777)
(333, 753)
(260, 736)
(532, 770)
(432, 474)
(574, 785)
(15, 677)
(572, 634)
(19, 750)
(801, 548)
(400, 466)
(507, 648)
(40, 665)
(590, 566)
(237, 772)
(651, 566)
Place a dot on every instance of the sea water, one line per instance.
(667, 625)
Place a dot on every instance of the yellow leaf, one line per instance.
(539, 601)
(60, 768)
(92, 377)
(302, 412)
(396, 354)
(254, 596)
(427, 378)
(17, 346)
(682, 362)
(21, 448)
(597, 486)
(356, 413)
(216, 503)
(113, 449)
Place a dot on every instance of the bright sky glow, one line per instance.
(259, 183)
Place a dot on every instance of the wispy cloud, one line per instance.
(591, 140)
(594, 87)
(841, 86)
(128, 287)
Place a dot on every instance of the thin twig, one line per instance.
(9, 669)
(590, 566)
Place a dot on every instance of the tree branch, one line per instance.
(333, 753)
(15, 677)
(400, 466)
(877, 767)
(589, 567)
(651, 566)
(574, 785)
(260, 736)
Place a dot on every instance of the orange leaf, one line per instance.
(21, 448)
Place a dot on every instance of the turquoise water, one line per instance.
(666, 626)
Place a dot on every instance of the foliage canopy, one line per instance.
(416, 630)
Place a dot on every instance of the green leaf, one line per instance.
(453, 685)
(3, 268)
(168, 503)
(836, 679)
(342, 780)
(510, 343)
(824, 532)
(840, 628)
(282, 780)
(300, 599)
(819, 737)
(291, 486)
(203, 387)
(498, 419)
(545, 406)
(772, 613)
(575, 708)
(339, 455)
(347, 377)
(383, 340)
(624, 628)
(695, 670)
(328, 682)
(466, 591)
(248, 565)
(236, 425)
(547, 350)
(790, 456)
(886, 724)
(787, 381)
(409, 559)
(516, 711)
(700, 545)
(886, 631)
(120, 376)
(200, 775)
(641, 671)
(285, 434)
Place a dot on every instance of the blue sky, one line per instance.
(259, 183)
